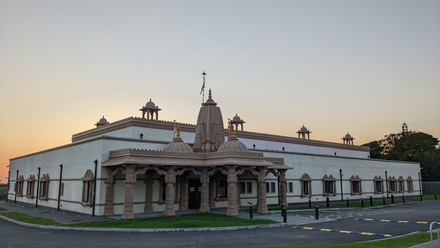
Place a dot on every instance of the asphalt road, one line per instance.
(379, 221)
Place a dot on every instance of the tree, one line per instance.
(410, 146)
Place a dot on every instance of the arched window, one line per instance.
(44, 187)
(378, 185)
(306, 185)
(409, 183)
(87, 190)
(19, 186)
(30, 186)
(401, 184)
(329, 185)
(356, 185)
(392, 181)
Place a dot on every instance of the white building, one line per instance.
(138, 169)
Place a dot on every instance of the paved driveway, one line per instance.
(392, 220)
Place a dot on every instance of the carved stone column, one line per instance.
(183, 195)
(148, 193)
(130, 179)
(232, 191)
(283, 187)
(212, 194)
(204, 201)
(109, 194)
(170, 180)
(261, 192)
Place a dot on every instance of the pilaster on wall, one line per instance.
(130, 179)
(232, 191)
(170, 180)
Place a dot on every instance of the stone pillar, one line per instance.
(232, 191)
(204, 201)
(261, 192)
(148, 208)
(283, 187)
(109, 185)
(130, 179)
(170, 180)
(212, 194)
(183, 195)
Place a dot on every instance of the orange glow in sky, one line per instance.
(362, 67)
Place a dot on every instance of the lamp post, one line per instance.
(386, 181)
(342, 190)
(38, 186)
(59, 187)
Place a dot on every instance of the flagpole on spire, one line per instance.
(203, 87)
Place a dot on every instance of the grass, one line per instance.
(182, 221)
(30, 219)
(3, 209)
(402, 242)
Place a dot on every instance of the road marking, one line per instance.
(397, 221)
(343, 231)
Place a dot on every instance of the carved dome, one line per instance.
(233, 145)
(236, 118)
(103, 121)
(303, 130)
(348, 137)
(150, 104)
(178, 145)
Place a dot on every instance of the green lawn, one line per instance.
(182, 221)
(30, 219)
(401, 242)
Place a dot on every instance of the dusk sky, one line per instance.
(362, 67)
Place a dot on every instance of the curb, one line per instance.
(142, 230)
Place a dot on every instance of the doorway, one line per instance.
(194, 194)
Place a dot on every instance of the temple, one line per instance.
(138, 165)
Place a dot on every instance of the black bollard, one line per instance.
(435, 196)
(251, 211)
(392, 199)
(310, 203)
(316, 212)
(421, 197)
(348, 203)
(327, 201)
(371, 201)
(383, 199)
(284, 212)
(403, 198)
(362, 202)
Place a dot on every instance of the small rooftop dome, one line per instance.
(237, 118)
(150, 104)
(178, 145)
(233, 144)
(103, 121)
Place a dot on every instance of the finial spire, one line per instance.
(210, 95)
(178, 131)
(232, 130)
